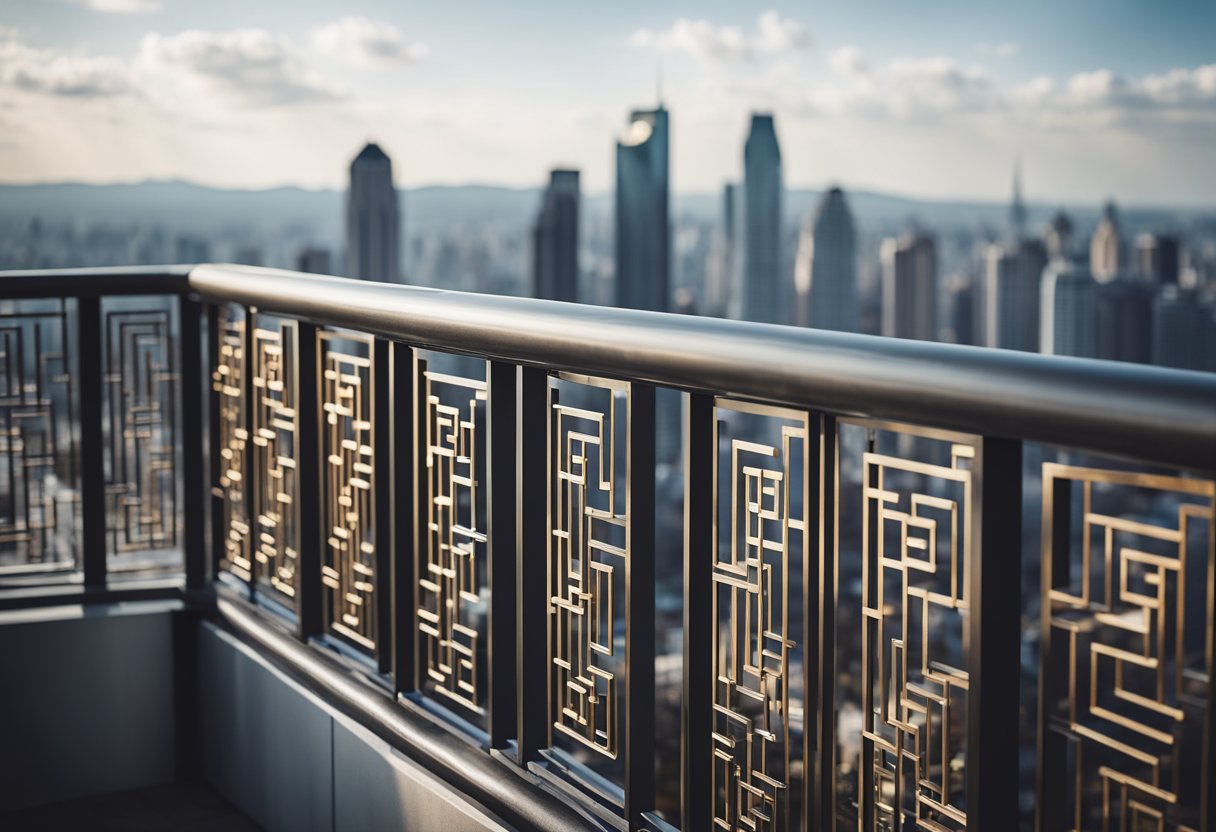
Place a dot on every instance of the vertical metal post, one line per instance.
(1050, 788)
(502, 418)
(92, 441)
(531, 564)
(819, 632)
(194, 375)
(309, 601)
(213, 410)
(384, 475)
(994, 589)
(421, 509)
(406, 538)
(639, 589)
(249, 483)
(700, 520)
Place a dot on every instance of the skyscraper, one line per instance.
(373, 221)
(1069, 311)
(314, 261)
(762, 284)
(721, 268)
(1157, 258)
(1184, 330)
(909, 287)
(1017, 209)
(1059, 237)
(1123, 324)
(1012, 294)
(1106, 255)
(555, 239)
(825, 272)
(643, 234)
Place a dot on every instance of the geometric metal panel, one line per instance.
(1128, 597)
(760, 536)
(232, 433)
(916, 527)
(275, 483)
(347, 452)
(589, 554)
(38, 456)
(452, 571)
(141, 391)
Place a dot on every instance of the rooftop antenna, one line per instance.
(658, 83)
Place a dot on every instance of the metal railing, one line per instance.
(832, 581)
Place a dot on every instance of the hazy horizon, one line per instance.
(1097, 98)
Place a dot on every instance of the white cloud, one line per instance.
(701, 39)
(247, 67)
(364, 42)
(122, 6)
(40, 71)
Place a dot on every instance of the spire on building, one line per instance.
(1017, 211)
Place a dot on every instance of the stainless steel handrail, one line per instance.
(1166, 416)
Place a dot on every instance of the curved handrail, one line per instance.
(1163, 415)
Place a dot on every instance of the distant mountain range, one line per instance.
(182, 206)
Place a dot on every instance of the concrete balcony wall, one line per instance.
(291, 763)
(87, 694)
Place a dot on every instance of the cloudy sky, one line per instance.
(933, 98)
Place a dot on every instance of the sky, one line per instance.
(1098, 98)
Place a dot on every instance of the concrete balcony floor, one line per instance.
(184, 807)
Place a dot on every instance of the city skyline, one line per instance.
(168, 91)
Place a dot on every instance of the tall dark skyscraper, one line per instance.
(1157, 258)
(373, 220)
(909, 287)
(1124, 320)
(643, 232)
(825, 273)
(1184, 330)
(555, 239)
(762, 284)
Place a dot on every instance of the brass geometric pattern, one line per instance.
(228, 385)
(38, 458)
(452, 600)
(141, 387)
(589, 552)
(1130, 605)
(916, 553)
(752, 641)
(275, 482)
(347, 443)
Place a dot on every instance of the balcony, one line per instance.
(360, 556)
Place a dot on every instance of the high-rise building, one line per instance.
(1012, 294)
(1157, 258)
(1184, 330)
(555, 239)
(762, 284)
(1106, 255)
(314, 261)
(1059, 237)
(373, 219)
(1017, 209)
(1123, 324)
(643, 232)
(722, 267)
(960, 310)
(825, 272)
(909, 287)
(1069, 310)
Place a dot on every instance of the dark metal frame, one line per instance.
(1005, 399)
